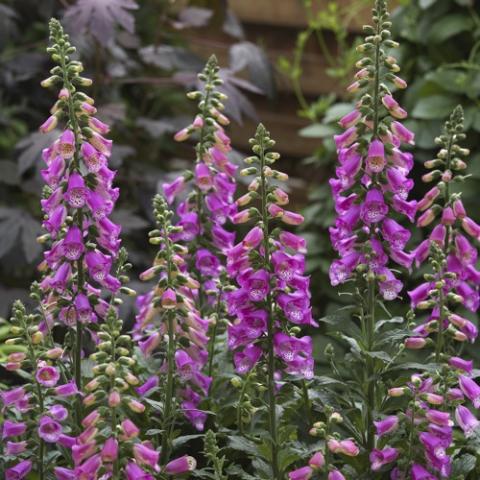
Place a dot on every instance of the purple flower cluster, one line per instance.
(269, 271)
(455, 282)
(371, 180)
(207, 208)
(78, 198)
(174, 300)
(34, 415)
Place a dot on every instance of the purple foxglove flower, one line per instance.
(246, 359)
(376, 157)
(47, 376)
(389, 286)
(129, 429)
(317, 461)
(66, 144)
(90, 467)
(396, 235)
(420, 293)
(346, 138)
(335, 475)
(171, 190)
(402, 133)
(55, 220)
(62, 473)
(401, 205)
(144, 455)
(19, 471)
(379, 458)
(466, 420)
(49, 429)
(340, 270)
(14, 448)
(255, 283)
(72, 245)
(439, 418)
(296, 307)
(67, 390)
(386, 425)
(92, 159)
(77, 193)
(471, 390)
(148, 345)
(98, 265)
(461, 364)
(350, 119)
(207, 263)
(12, 429)
(109, 451)
(61, 278)
(53, 174)
(58, 412)
(13, 396)
(181, 465)
(418, 472)
(190, 225)
(49, 124)
(148, 386)
(303, 473)
(374, 207)
(103, 145)
(134, 472)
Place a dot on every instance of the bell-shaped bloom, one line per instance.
(49, 429)
(181, 465)
(466, 420)
(387, 425)
(470, 389)
(379, 458)
(374, 207)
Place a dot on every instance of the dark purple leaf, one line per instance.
(193, 17)
(129, 220)
(100, 17)
(247, 55)
(232, 25)
(169, 57)
(31, 147)
(9, 171)
(31, 229)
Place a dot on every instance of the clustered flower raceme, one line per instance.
(110, 442)
(34, 414)
(173, 300)
(456, 281)
(438, 397)
(209, 204)
(77, 200)
(372, 179)
(268, 267)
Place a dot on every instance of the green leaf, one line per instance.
(388, 321)
(449, 26)
(380, 355)
(464, 464)
(434, 107)
(242, 444)
(337, 111)
(185, 439)
(317, 130)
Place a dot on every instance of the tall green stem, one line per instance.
(371, 390)
(77, 358)
(168, 414)
(440, 340)
(272, 406)
(213, 336)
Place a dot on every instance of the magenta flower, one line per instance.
(19, 471)
(387, 425)
(13, 429)
(47, 376)
(303, 473)
(181, 465)
(49, 429)
(379, 458)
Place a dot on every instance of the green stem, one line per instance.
(376, 88)
(307, 402)
(411, 440)
(440, 336)
(168, 414)
(79, 218)
(272, 406)
(371, 390)
(213, 336)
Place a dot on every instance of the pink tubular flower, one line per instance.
(379, 458)
(181, 465)
(49, 429)
(19, 471)
(47, 376)
(303, 473)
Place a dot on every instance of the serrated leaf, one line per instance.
(242, 444)
(388, 321)
(464, 464)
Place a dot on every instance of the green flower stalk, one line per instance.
(180, 334)
(35, 413)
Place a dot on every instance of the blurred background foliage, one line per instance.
(284, 62)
